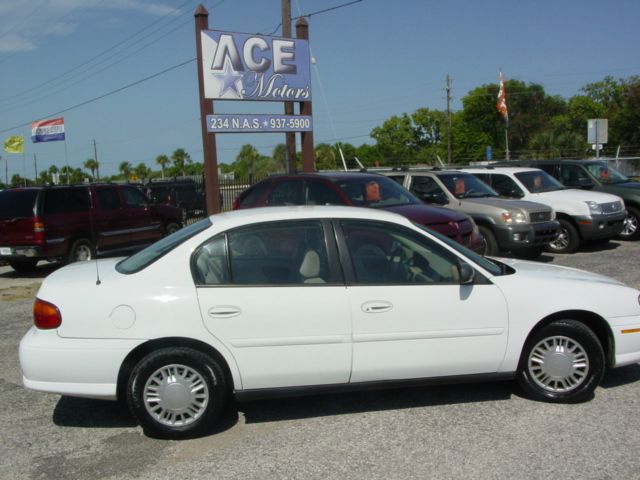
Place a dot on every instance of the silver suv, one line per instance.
(518, 226)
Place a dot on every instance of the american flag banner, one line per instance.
(502, 100)
(47, 130)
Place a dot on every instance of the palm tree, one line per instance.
(125, 169)
(325, 157)
(141, 171)
(91, 164)
(180, 157)
(163, 161)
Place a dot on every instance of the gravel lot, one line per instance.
(463, 431)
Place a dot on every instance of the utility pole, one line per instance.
(290, 137)
(448, 89)
(35, 167)
(95, 157)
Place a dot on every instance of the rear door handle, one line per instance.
(376, 306)
(224, 311)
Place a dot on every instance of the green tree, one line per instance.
(125, 169)
(163, 161)
(279, 156)
(397, 140)
(91, 165)
(325, 156)
(142, 171)
(180, 157)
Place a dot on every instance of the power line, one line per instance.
(112, 92)
(317, 13)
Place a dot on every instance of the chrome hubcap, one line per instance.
(83, 253)
(558, 364)
(176, 395)
(630, 226)
(561, 241)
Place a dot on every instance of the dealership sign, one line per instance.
(239, 66)
(257, 123)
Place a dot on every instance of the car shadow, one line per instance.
(90, 413)
(282, 409)
(617, 377)
(38, 273)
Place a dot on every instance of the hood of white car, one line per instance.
(572, 194)
(556, 272)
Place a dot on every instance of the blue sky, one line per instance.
(374, 59)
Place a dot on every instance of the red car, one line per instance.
(360, 190)
(71, 223)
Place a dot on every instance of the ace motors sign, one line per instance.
(239, 66)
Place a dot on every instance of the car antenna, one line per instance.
(93, 234)
(359, 163)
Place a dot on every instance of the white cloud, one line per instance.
(26, 24)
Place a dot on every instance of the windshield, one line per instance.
(537, 181)
(605, 173)
(376, 192)
(465, 185)
(17, 203)
(493, 268)
(153, 252)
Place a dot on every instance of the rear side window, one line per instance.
(285, 193)
(17, 203)
(108, 198)
(66, 200)
(254, 194)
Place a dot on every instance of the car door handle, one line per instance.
(224, 311)
(376, 306)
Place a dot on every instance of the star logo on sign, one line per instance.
(229, 80)
(265, 124)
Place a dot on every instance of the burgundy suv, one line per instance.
(360, 190)
(71, 223)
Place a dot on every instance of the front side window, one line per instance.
(466, 186)
(606, 174)
(387, 254)
(317, 193)
(108, 198)
(278, 253)
(537, 181)
(574, 176)
(506, 186)
(134, 198)
(376, 192)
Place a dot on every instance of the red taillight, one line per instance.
(236, 203)
(46, 315)
(38, 230)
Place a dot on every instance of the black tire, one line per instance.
(171, 228)
(568, 240)
(490, 243)
(81, 251)
(23, 266)
(563, 362)
(631, 229)
(180, 413)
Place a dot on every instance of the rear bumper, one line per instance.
(72, 366)
(25, 252)
(600, 226)
(513, 237)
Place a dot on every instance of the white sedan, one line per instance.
(298, 300)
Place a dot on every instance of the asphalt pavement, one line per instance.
(479, 431)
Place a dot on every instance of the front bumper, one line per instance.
(600, 226)
(78, 367)
(513, 237)
(626, 338)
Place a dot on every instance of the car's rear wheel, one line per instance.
(81, 251)
(630, 230)
(563, 362)
(568, 239)
(23, 265)
(490, 243)
(176, 392)
(171, 228)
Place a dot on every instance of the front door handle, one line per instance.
(224, 311)
(377, 306)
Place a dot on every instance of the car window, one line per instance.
(317, 193)
(537, 181)
(108, 197)
(376, 192)
(550, 168)
(574, 176)
(505, 186)
(465, 185)
(276, 253)
(399, 179)
(382, 253)
(17, 203)
(427, 189)
(66, 200)
(156, 250)
(134, 197)
(606, 173)
(253, 195)
(285, 193)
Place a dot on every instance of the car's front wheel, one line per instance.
(630, 230)
(563, 362)
(176, 392)
(490, 243)
(568, 239)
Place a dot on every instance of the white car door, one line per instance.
(269, 292)
(411, 317)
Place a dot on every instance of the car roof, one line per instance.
(333, 176)
(491, 169)
(248, 216)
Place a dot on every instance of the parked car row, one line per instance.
(73, 223)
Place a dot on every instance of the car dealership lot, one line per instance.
(471, 431)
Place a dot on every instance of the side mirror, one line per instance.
(515, 193)
(467, 273)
